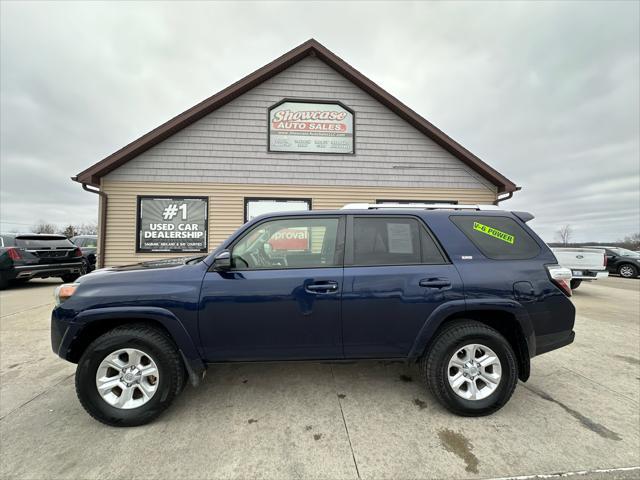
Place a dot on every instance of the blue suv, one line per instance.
(469, 293)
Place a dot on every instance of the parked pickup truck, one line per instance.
(586, 264)
(27, 256)
(469, 293)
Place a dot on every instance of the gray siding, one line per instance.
(230, 144)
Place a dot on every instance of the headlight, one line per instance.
(64, 292)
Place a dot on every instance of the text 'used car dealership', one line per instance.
(306, 131)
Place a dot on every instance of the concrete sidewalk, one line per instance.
(371, 420)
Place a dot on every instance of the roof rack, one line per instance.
(417, 206)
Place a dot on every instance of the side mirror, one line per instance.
(222, 261)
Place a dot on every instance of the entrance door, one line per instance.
(281, 299)
(395, 275)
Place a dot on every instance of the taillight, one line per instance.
(605, 259)
(78, 252)
(14, 253)
(561, 276)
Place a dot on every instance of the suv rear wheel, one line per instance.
(470, 368)
(129, 376)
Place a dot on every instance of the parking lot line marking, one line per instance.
(632, 400)
(26, 309)
(344, 422)
(569, 474)
(47, 390)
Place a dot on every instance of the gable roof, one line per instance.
(92, 175)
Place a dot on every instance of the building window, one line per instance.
(259, 206)
(383, 201)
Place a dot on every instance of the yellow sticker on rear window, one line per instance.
(494, 232)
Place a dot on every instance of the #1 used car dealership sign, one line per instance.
(310, 127)
(172, 224)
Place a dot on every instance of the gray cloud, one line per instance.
(546, 92)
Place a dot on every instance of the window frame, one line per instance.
(307, 200)
(349, 258)
(338, 249)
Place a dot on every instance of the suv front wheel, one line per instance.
(470, 368)
(129, 375)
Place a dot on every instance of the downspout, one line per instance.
(509, 195)
(102, 234)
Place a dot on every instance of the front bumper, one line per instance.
(63, 333)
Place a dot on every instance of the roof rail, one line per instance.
(417, 206)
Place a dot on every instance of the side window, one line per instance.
(288, 243)
(498, 238)
(79, 242)
(431, 254)
(392, 241)
(90, 242)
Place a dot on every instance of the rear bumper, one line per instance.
(546, 343)
(588, 274)
(49, 270)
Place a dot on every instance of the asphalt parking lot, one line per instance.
(579, 412)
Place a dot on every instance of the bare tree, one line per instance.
(87, 229)
(564, 234)
(70, 231)
(632, 242)
(42, 227)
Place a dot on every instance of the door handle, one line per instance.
(325, 287)
(435, 283)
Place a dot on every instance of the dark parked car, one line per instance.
(27, 256)
(88, 245)
(470, 294)
(625, 263)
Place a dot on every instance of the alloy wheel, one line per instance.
(474, 372)
(627, 271)
(127, 378)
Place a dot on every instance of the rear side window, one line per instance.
(498, 238)
(392, 241)
(43, 242)
(6, 241)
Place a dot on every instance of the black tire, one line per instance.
(86, 267)
(434, 366)
(627, 270)
(70, 277)
(4, 283)
(575, 283)
(151, 341)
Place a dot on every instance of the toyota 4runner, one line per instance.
(469, 293)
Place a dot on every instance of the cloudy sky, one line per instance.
(545, 92)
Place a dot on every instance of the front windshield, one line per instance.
(623, 252)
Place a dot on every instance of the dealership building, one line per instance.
(306, 131)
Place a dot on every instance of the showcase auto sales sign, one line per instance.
(310, 128)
